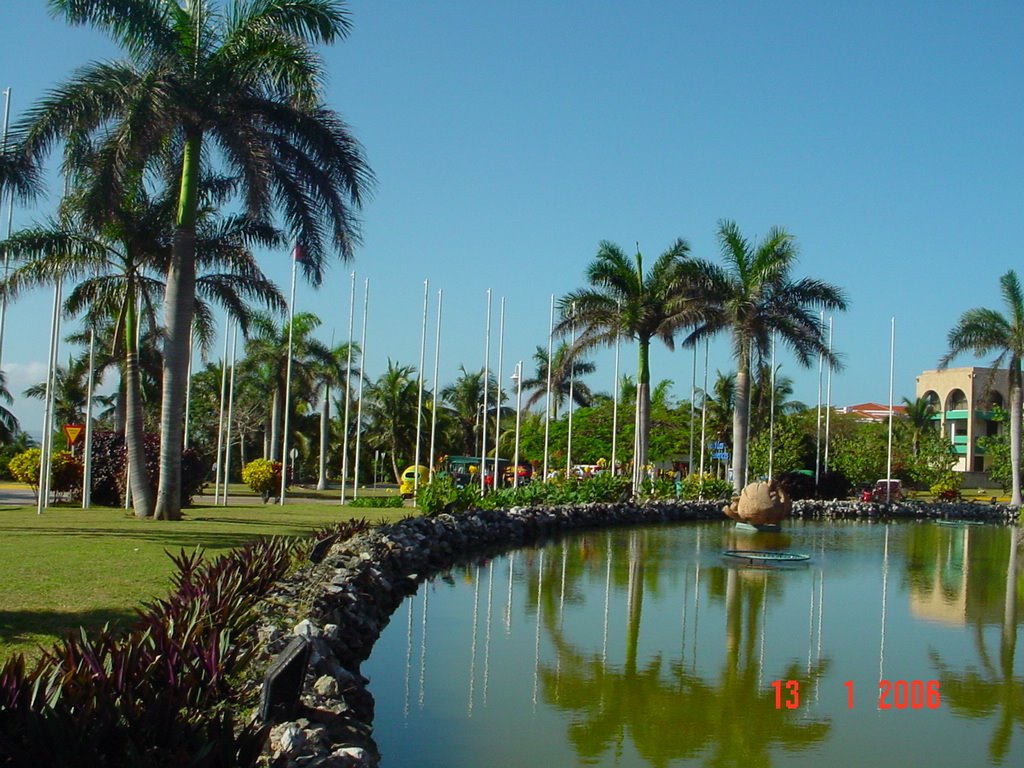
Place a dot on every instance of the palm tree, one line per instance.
(9, 427)
(118, 250)
(69, 395)
(391, 412)
(624, 301)
(567, 373)
(464, 400)
(754, 297)
(919, 420)
(335, 372)
(984, 331)
(245, 83)
(267, 351)
(721, 405)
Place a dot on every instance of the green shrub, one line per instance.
(442, 495)
(947, 487)
(706, 487)
(386, 502)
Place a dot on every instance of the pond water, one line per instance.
(647, 647)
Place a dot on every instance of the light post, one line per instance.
(517, 381)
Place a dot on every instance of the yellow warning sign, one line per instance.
(72, 431)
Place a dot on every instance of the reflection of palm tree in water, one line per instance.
(980, 693)
(669, 711)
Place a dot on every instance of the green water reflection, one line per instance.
(646, 647)
(668, 711)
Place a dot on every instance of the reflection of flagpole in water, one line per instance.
(561, 607)
(423, 647)
(536, 648)
(487, 633)
(821, 608)
(885, 586)
(607, 596)
(696, 602)
(472, 652)
(561, 593)
(764, 619)
(508, 605)
(408, 661)
(810, 626)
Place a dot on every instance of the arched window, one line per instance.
(956, 401)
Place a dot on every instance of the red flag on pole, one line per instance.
(299, 254)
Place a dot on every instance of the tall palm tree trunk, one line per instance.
(643, 404)
(179, 304)
(179, 299)
(740, 413)
(142, 493)
(1016, 398)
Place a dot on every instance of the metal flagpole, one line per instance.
(704, 417)
(419, 396)
(547, 407)
(615, 405)
(771, 419)
(437, 356)
(817, 438)
(296, 255)
(888, 462)
(693, 396)
(828, 395)
(359, 395)
(220, 418)
(483, 416)
(87, 459)
(572, 385)
(10, 217)
(231, 407)
(44, 458)
(497, 396)
(348, 378)
(518, 377)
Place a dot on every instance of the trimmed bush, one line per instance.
(263, 476)
(109, 459)
(25, 467)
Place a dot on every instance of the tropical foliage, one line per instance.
(985, 331)
(755, 299)
(244, 87)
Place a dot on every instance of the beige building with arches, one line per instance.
(964, 400)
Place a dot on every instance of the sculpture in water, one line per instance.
(761, 503)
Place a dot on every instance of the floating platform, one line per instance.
(958, 523)
(766, 556)
(755, 528)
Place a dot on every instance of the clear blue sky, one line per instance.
(509, 139)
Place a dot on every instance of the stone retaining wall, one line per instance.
(346, 600)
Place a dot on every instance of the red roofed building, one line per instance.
(873, 411)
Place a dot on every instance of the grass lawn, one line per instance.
(72, 567)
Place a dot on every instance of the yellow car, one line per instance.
(408, 483)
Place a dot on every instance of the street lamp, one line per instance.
(517, 381)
